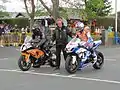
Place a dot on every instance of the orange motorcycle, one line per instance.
(36, 55)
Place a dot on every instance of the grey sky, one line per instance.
(16, 6)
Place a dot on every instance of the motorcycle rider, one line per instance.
(84, 34)
(37, 34)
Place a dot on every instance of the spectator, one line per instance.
(60, 35)
(1, 34)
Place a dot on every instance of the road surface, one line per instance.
(45, 78)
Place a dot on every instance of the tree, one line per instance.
(76, 3)
(41, 13)
(63, 12)
(92, 8)
(30, 11)
(55, 8)
(75, 8)
(1, 6)
(3, 13)
(98, 8)
(104, 11)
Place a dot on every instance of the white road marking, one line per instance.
(18, 49)
(3, 59)
(33, 70)
(55, 74)
(17, 69)
(110, 60)
(72, 75)
(63, 76)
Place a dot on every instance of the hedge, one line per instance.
(106, 22)
(21, 22)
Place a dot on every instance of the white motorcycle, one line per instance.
(78, 56)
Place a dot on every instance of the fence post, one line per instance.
(105, 37)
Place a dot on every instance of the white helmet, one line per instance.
(80, 25)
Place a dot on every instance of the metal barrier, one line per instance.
(12, 39)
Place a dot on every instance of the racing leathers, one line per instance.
(87, 41)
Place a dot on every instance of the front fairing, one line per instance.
(27, 44)
(72, 45)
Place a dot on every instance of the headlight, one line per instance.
(23, 47)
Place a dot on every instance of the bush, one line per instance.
(96, 37)
(21, 22)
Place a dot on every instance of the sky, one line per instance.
(16, 6)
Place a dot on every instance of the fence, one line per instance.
(16, 39)
(13, 39)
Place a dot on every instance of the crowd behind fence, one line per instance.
(12, 39)
(13, 36)
(17, 38)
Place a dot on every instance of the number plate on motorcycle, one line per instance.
(73, 59)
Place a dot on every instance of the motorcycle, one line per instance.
(76, 58)
(36, 54)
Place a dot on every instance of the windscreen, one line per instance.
(77, 40)
(27, 39)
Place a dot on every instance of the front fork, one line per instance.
(26, 56)
(74, 58)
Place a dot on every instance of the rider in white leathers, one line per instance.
(87, 41)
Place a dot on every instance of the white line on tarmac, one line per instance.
(63, 76)
(55, 74)
(33, 70)
(18, 49)
(71, 75)
(3, 59)
(110, 60)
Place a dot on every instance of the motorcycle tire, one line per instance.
(21, 59)
(67, 65)
(52, 63)
(100, 61)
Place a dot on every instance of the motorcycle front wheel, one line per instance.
(23, 65)
(70, 66)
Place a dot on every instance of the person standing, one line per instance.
(2, 32)
(60, 35)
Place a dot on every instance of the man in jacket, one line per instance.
(60, 35)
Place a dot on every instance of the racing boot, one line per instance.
(57, 68)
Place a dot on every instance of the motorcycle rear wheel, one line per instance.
(100, 61)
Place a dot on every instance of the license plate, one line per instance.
(73, 59)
